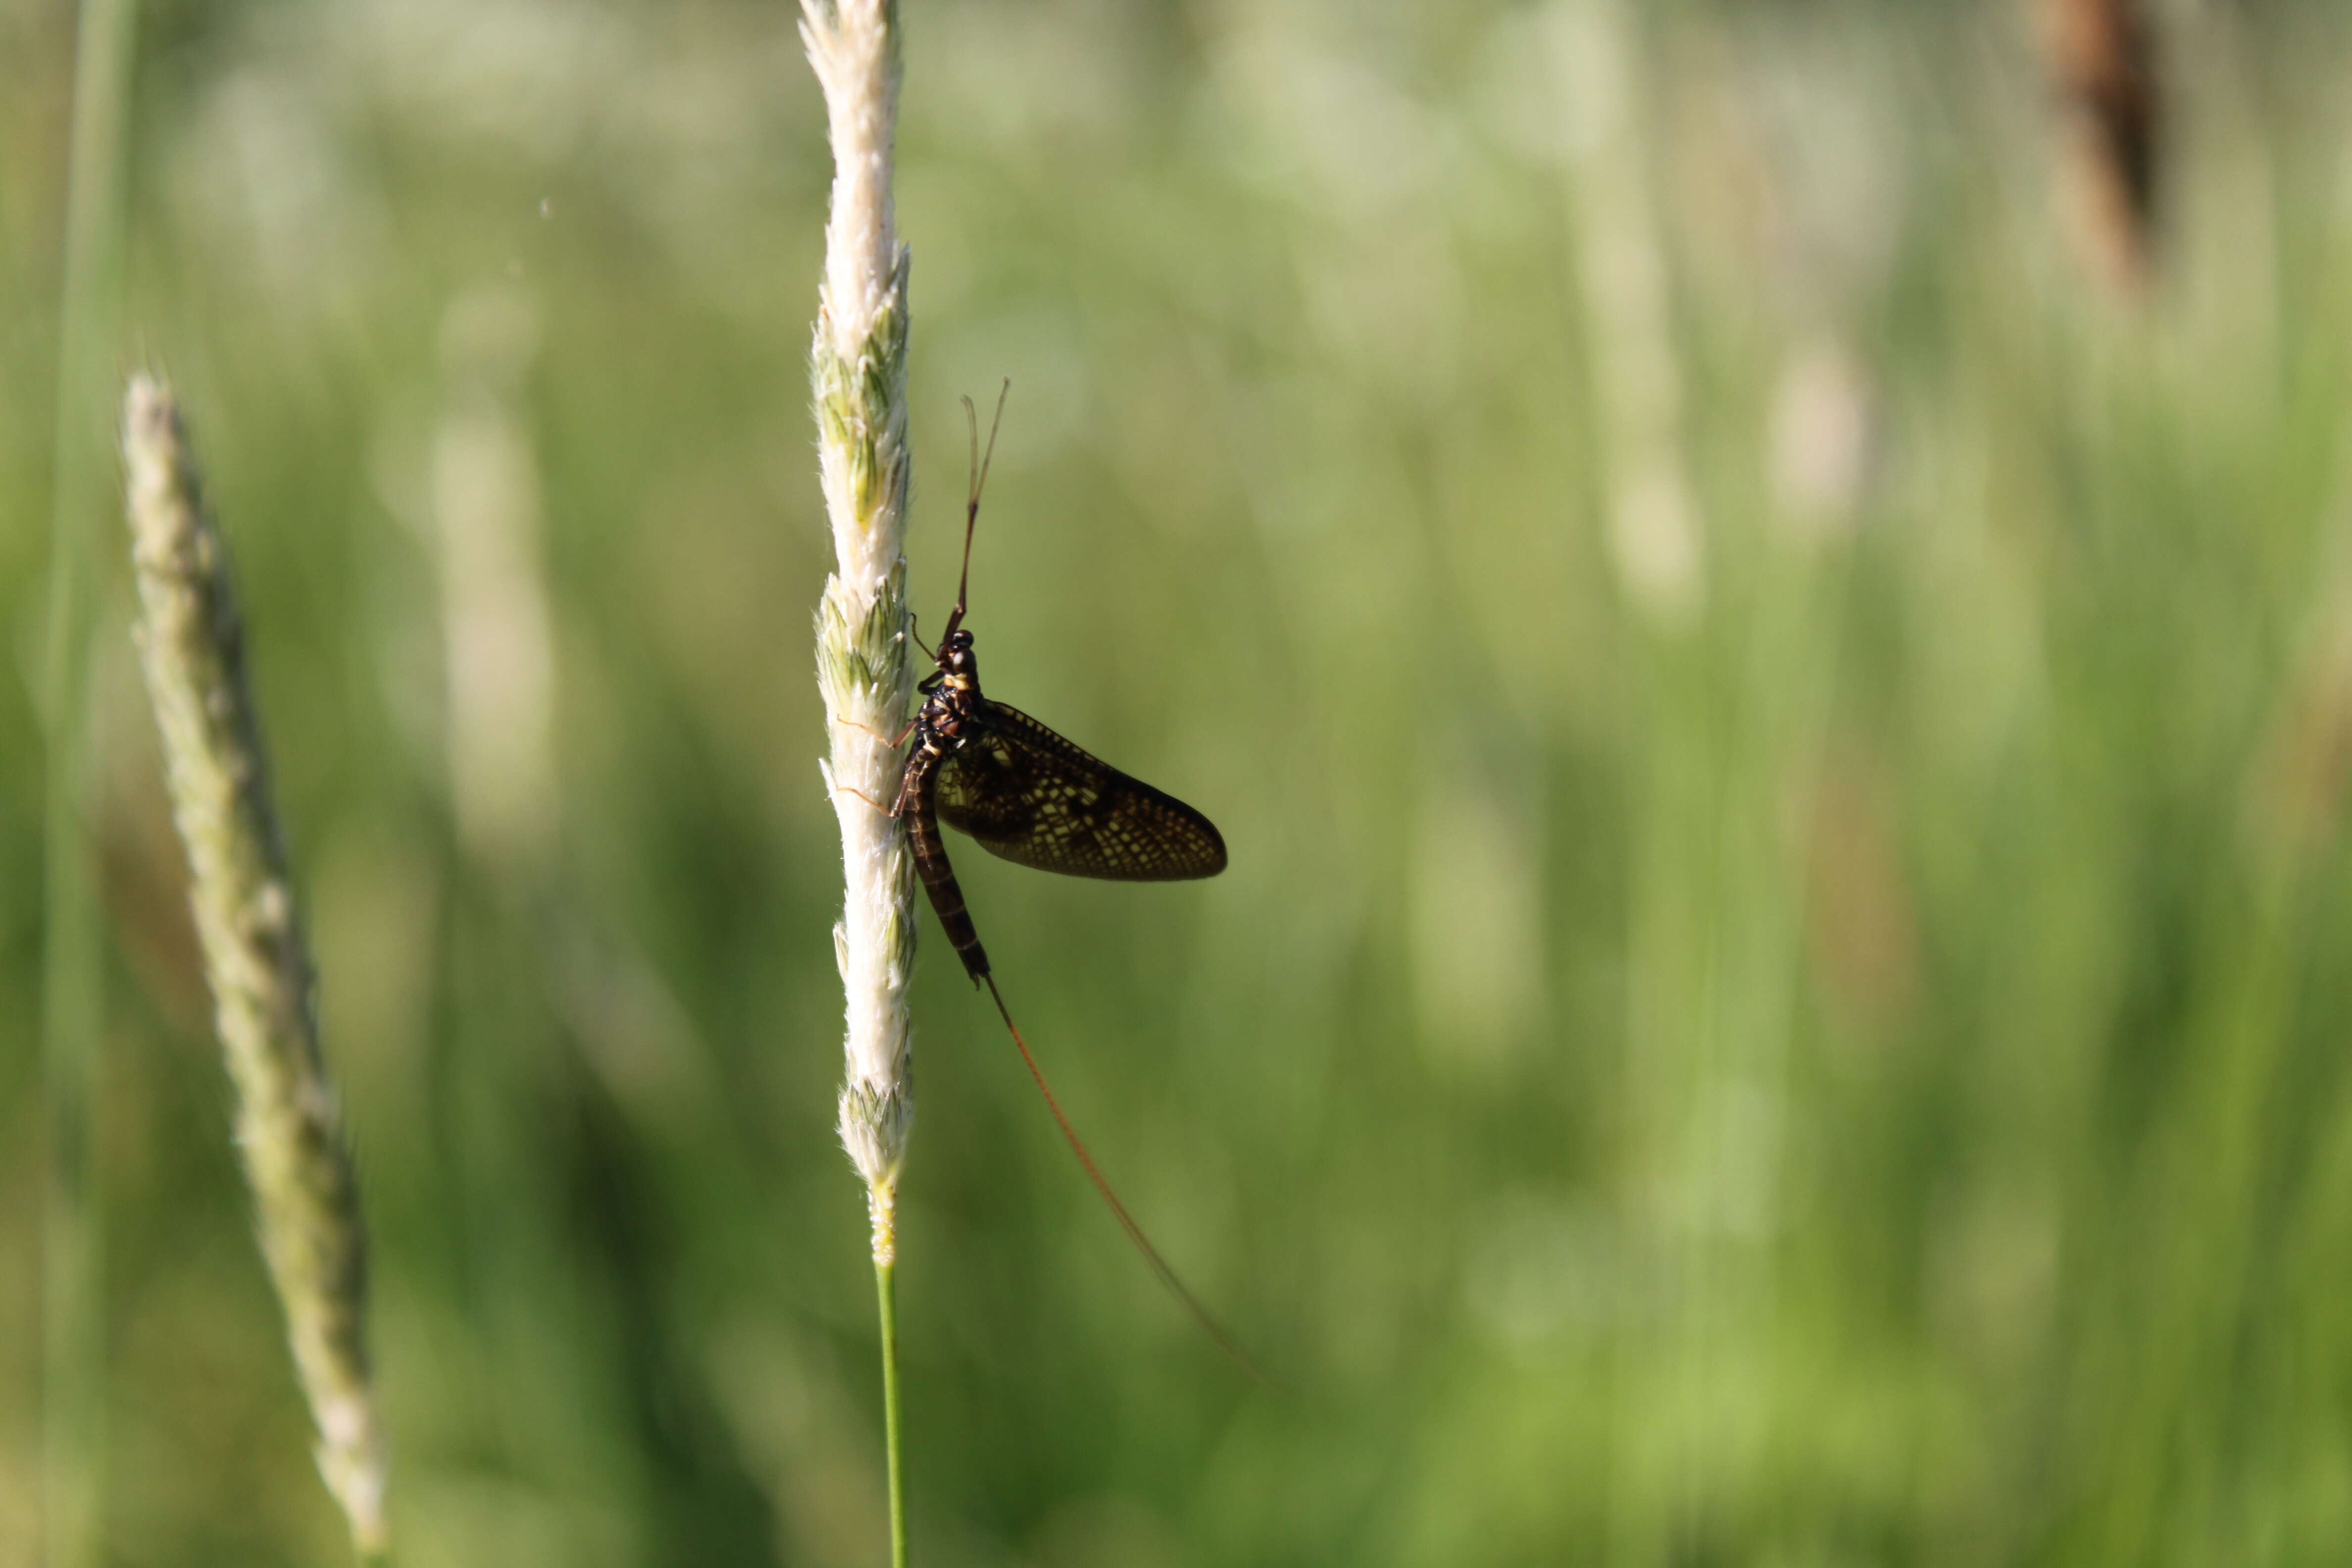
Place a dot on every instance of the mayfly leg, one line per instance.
(878, 735)
(853, 789)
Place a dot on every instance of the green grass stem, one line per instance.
(73, 1309)
(886, 1294)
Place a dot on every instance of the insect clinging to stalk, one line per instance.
(1029, 796)
(1024, 793)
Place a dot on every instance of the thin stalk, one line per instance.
(886, 1292)
(858, 368)
(73, 1304)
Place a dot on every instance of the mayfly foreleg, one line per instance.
(887, 740)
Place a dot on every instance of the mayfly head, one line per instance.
(956, 660)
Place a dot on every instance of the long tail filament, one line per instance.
(1168, 1277)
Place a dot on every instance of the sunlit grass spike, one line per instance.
(289, 1128)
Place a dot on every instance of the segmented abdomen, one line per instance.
(931, 865)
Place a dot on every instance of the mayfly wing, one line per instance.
(1030, 796)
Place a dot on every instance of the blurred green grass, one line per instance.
(1825, 1053)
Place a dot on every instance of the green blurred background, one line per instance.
(1782, 991)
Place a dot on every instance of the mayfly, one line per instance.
(1029, 796)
